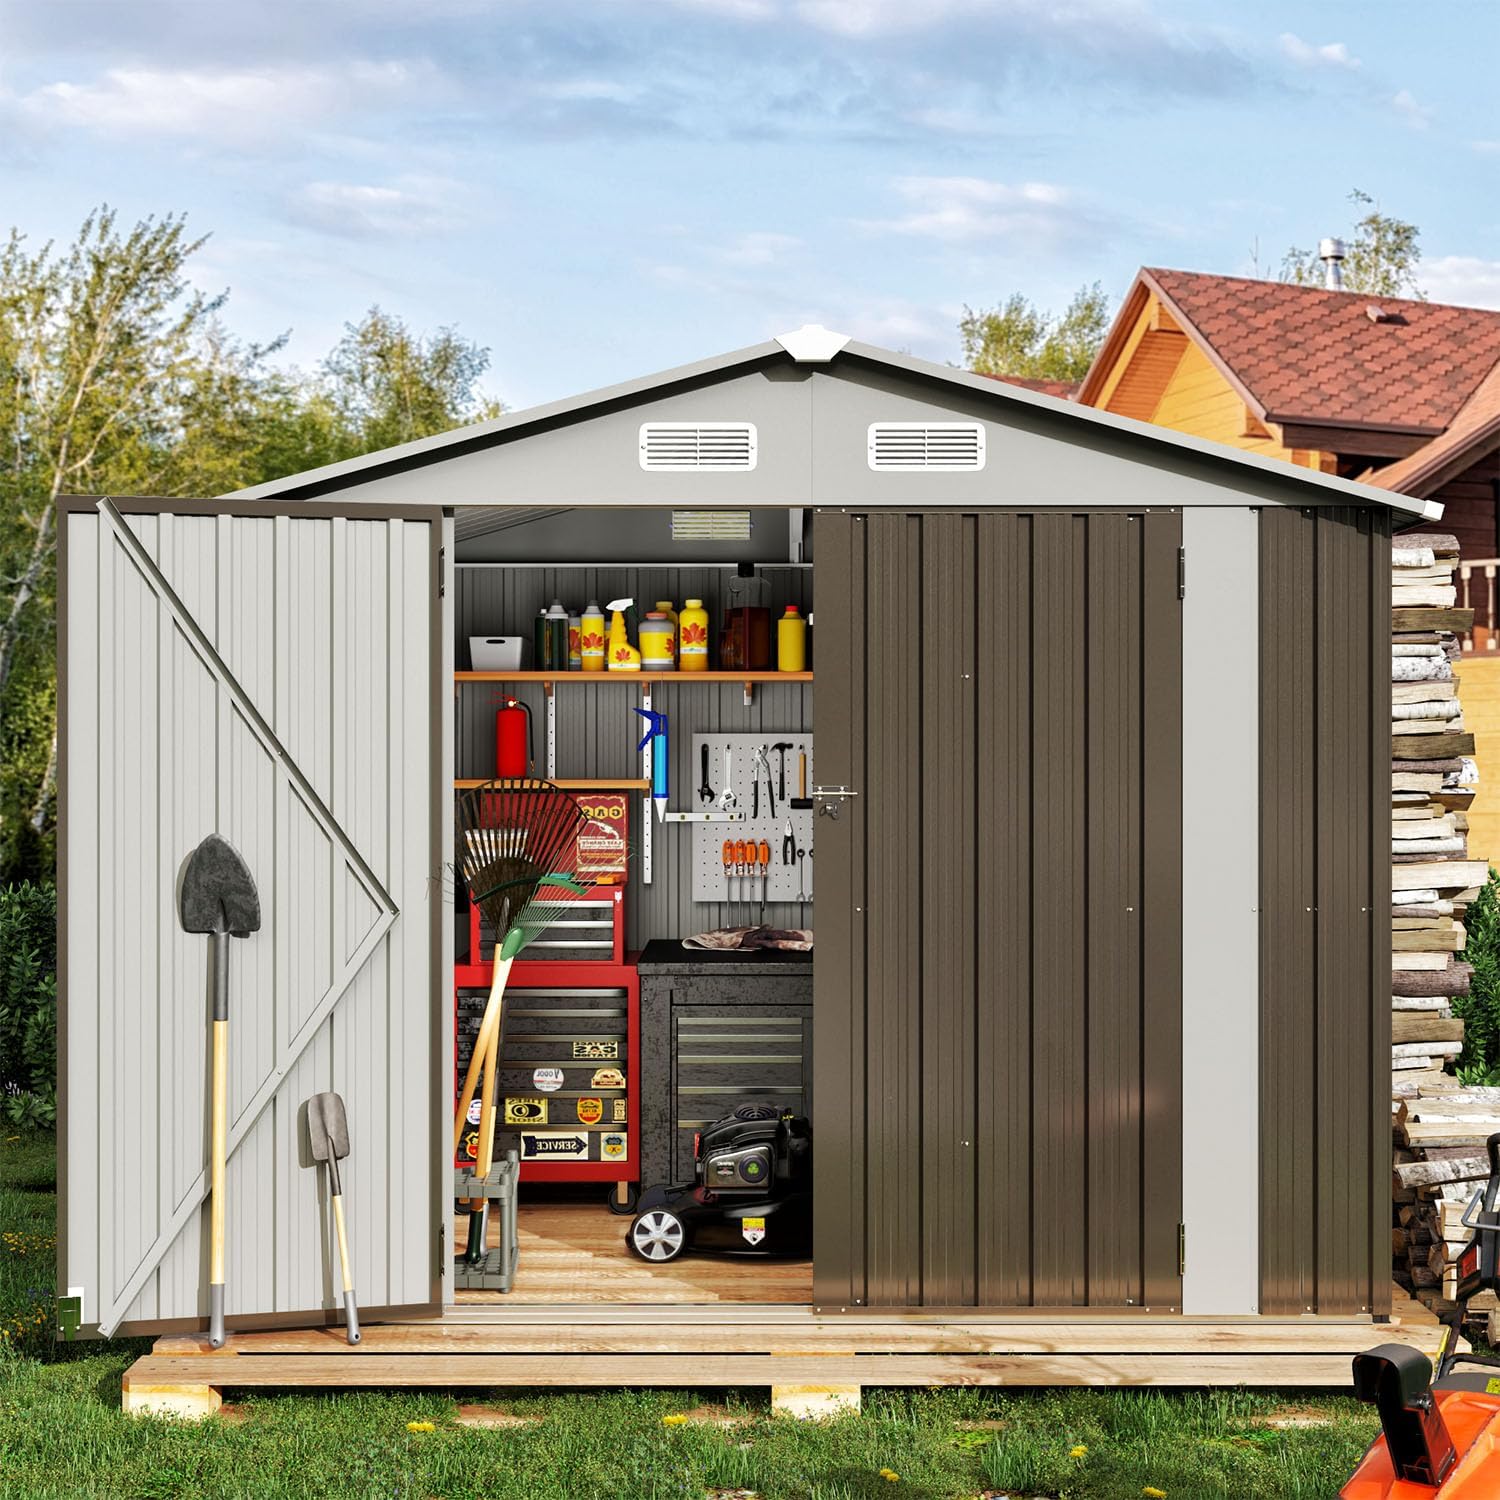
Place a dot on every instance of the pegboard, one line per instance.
(782, 881)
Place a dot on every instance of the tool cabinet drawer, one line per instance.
(561, 1090)
(723, 1056)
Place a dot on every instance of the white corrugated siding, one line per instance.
(327, 625)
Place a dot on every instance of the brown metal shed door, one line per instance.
(998, 980)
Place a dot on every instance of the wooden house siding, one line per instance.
(1471, 511)
(1199, 400)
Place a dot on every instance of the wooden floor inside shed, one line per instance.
(746, 1345)
(575, 1253)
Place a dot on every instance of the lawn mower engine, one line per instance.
(751, 1192)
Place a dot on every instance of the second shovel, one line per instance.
(328, 1134)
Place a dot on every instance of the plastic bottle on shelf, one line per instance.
(664, 607)
(592, 640)
(539, 641)
(791, 641)
(692, 628)
(575, 643)
(557, 637)
(623, 657)
(656, 643)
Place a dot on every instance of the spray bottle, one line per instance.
(621, 655)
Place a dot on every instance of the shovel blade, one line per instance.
(327, 1127)
(218, 892)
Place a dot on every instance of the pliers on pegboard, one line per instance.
(760, 765)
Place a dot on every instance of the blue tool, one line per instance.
(656, 737)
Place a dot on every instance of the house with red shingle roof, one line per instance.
(1400, 393)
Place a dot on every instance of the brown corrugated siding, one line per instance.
(1003, 965)
(1325, 1001)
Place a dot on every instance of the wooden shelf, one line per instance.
(574, 783)
(589, 679)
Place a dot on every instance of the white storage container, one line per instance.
(495, 653)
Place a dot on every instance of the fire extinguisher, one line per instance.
(513, 741)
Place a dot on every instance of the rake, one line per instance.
(515, 836)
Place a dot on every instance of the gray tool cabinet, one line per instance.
(717, 1030)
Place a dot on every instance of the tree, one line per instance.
(1017, 338)
(1382, 259)
(386, 385)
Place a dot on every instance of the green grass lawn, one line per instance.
(62, 1433)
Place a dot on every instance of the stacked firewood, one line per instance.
(1432, 784)
(1440, 1133)
(1440, 1127)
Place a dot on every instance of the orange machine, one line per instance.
(1439, 1435)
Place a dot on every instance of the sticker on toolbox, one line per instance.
(525, 1111)
(476, 1109)
(607, 1078)
(614, 1143)
(548, 1080)
(595, 1051)
(754, 1230)
(554, 1145)
(619, 1115)
(590, 1111)
(471, 1146)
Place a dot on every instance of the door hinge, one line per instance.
(442, 1249)
(69, 1314)
(442, 572)
(1181, 1250)
(1182, 572)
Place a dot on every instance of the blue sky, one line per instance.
(600, 188)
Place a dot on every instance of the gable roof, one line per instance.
(1305, 354)
(1473, 434)
(848, 358)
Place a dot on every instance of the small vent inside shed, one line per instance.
(908, 446)
(710, 525)
(698, 445)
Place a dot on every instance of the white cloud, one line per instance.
(214, 106)
(1029, 214)
(1465, 279)
(409, 207)
(759, 248)
(1307, 55)
(1417, 115)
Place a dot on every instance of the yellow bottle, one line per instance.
(592, 641)
(621, 655)
(791, 641)
(664, 607)
(693, 637)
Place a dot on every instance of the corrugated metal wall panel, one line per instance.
(1324, 998)
(329, 628)
(1007, 704)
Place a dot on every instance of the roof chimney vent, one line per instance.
(1332, 252)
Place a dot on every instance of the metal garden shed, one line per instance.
(1099, 1025)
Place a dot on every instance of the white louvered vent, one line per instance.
(905, 447)
(698, 446)
(710, 525)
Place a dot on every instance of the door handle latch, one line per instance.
(829, 799)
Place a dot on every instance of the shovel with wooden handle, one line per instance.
(328, 1135)
(217, 896)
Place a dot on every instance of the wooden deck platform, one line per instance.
(588, 1344)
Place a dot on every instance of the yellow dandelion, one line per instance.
(890, 1476)
(1151, 1491)
(421, 1427)
(676, 1419)
(1078, 1450)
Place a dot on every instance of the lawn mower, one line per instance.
(751, 1192)
(1440, 1434)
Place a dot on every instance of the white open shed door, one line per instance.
(271, 672)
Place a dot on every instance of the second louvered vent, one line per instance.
(698, 445)
(909, 446)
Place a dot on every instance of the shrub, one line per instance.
(28, 1003)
